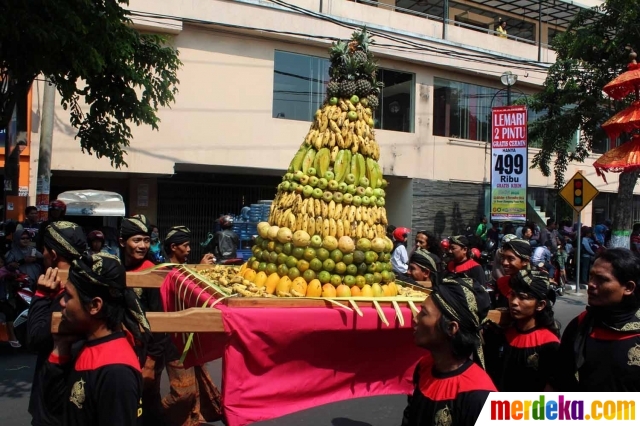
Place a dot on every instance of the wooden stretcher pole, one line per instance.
(144, 279)
(192, 320)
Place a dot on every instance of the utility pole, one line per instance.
(44, 159)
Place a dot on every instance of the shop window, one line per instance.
(299, 83)
(395, 111)
(552, 33)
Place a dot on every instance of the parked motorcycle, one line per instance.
(486, 258)
(17, 297)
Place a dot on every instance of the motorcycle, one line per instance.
(557, 282)
(487, 257)
(19, 294)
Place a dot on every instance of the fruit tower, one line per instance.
(326, 234)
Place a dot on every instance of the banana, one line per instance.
(317, 207)
(334, 153)
(325, 209)
(303, 207)
(340, 140)
(352, 213)
(325, 228)
(317, 143)
(360, 114)
(326, 137)
(333, 227)
(365, 230)
(371, 233)
(365, 214)
(318, 226)
(359, 128)
(339, 229)
(336, 113)
(345, 129)
(298, 223)
(359, 230)
(371, 219)
(296, 163)
(309, 139)
(297, 200)
(345, 213)
(334, 127)
(348, 141)
(338, 213)
(359, 213)
(292, 221)
(350, 105)
(322, 161)
(383, 216)
(308, 160)
(332, 140)
(305, 222)
(311, 225)
(332, 208)
(324, 122)
(355, 146)
(376, 214)
(380, 229)
(368, 112)
(343, 106)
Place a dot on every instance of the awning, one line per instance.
(92, 202)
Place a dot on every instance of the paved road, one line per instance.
(16, 371)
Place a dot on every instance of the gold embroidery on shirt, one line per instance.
(533, 360)
(634, 356)
(77, 393)
(443, 417)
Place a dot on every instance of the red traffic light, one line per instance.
(577, 183)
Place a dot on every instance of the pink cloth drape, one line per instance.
(278, 361)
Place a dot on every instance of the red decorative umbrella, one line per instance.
(623, 158)
(625, 121)
(627, 82)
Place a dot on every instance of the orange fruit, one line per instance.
(272, 282)
(300, 286)
(314, 289)
(367, 291)
(386, 291)
(260, 279)
(343, 291)
(355, 291)
(328, 291)
(394, 288)
(284, 285)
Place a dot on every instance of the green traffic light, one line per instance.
(577, 201)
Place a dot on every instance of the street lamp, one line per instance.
(508, 79)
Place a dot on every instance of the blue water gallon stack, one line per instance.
(266, 209)
(255, 215)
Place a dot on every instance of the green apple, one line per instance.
(366, 200)
(357, 200)
(368, 191)
(333, 101)
(350, 178)
(327, 196)
(316, 241)
(304, 179)
(352, 116)
(329, 175)
(380, 201)
(384, 184)
(313, 181)
(342, 187)
(373, 200)
(361, 191)
(294, 186)
(332, 185)
(311, 171)
(322, 183)
(364, 182)
(338, 197)
(351, 189)
(317, 193)
(299, 188)
(378, 192)
(307, 191)
(347, 198)
(298, 175)
(288, 176)
(354, 99)
(286, 186)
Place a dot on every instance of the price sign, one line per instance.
(509, 163)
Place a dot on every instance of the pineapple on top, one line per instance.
(353, 70)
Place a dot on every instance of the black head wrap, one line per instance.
(102, 275)
(460, 240)
(135, 225)
(466, 302)
(520, 247)
(425, 259)
(66, 238)
(177, 235)
(533, 282)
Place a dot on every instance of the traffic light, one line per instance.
(577, 192)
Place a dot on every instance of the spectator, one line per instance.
(542, 254)
(23, 256)
(549, 234)
(481, 230)
(635, 238)
(493, 233)
(400, 257)
(587, 254)
(501, 29)
(31, 225)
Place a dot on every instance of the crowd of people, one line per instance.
(104, 365)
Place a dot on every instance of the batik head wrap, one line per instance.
(466, 302)
(177, 235)
(425, 259)
(66, 238)
(102, 275)
(459, 240)
(520, 247)
(533, 282)
(135, 225)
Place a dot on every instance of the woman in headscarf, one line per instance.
(135, 240)
(100, 383)
(23, 256)
(520, 357)
(193, 398)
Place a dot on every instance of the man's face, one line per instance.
(527, 234)
(417, 272)
(48, 258)
(604, 288)
(181, 252)
(458, 253)
(512, 263)
(96, 245)
(426, 333)
(136, 247)
(522, 305)
(33, 216)
(55, 214)
(421, 241)
(25, 240)
(73, 311)
(552, 226)
(484, 220)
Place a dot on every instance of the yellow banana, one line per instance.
(333, 227)
(297, 200)
(339, 229)
(347, 228)
(352, 213)
(325, 228)
(298, 223)
(326, 137)
(345, 213)
(309, 139)
(359, 213)
(317, 207)
(350, 105)
(318, 225)
(371, 234)
(332, 141)
(383, 216)
(336, 113)
(343, 105)
(345, 129)
(338, 213)
(340, 140)
(325, 209)
(332, 208)
(359, 230)
(348, 140)
(303, 206)
(317, 144)
(292, 222)
(334, 151)
(334, 127)
(310, 209)
(311, 225)
(305, 222)
(324, 122)
(365, 230)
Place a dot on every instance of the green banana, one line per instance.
(362, 168)
(342, 164)
(296, 163)
(371, 173)
(308, 160)
(322, 161)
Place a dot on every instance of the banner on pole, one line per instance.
(509, 163)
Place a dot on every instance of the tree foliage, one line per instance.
(592, 52)
(97, 60)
